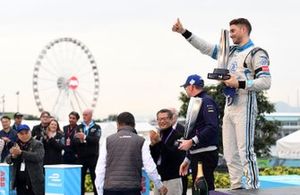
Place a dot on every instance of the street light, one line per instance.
(3, 103)
(18, 106)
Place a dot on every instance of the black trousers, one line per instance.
(24, 190)
(127, 192)
(209, 163)
(88, 164)
(184, 180)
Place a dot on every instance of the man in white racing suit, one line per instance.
(249, 70)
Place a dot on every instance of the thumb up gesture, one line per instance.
(177, 27)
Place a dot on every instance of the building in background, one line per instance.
(289, 122)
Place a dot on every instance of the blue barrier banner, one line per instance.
(5, 181)
(145, 183)
(62, 179)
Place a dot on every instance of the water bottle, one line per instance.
(200, 184)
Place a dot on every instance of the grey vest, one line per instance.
(123, 160)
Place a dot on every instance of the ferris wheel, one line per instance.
(65, 78)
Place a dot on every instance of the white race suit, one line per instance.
(252, 71)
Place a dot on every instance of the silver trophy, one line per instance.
(222, 73)
(191, 115)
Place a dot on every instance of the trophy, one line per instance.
(222, 73)
(191, 117)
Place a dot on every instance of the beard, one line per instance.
(236, 40)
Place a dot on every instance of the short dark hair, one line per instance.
(126, 118)
(45, 112)
(170, 114)
(242, 21)
(75, 114)
(5, 117)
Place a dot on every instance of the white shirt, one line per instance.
(148, 163)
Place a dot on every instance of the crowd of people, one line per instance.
(48, 144)
(167, 158)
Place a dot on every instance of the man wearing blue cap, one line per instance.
(27, 158)
(202, 141)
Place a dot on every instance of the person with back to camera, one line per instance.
(249, 72)
(122, 156)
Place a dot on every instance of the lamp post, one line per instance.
(3, 104)
(18, 100)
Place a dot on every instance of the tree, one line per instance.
(112, 117)
(265, 131)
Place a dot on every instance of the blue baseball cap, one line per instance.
(193, 79)
(23, 127)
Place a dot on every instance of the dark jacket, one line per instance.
(12, 135)
(171, 157)
(38, 132)
(180, 129)
(32, 155)
(89, 148)
(70, 156)
(14, 127)
(53, 149)
(124, 160)
(207, 123)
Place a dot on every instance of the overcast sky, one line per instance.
(141, 62)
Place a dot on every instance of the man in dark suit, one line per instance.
(180, 129)
(70, 156)
(86, 142)
(165, 152)
(39, 131)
